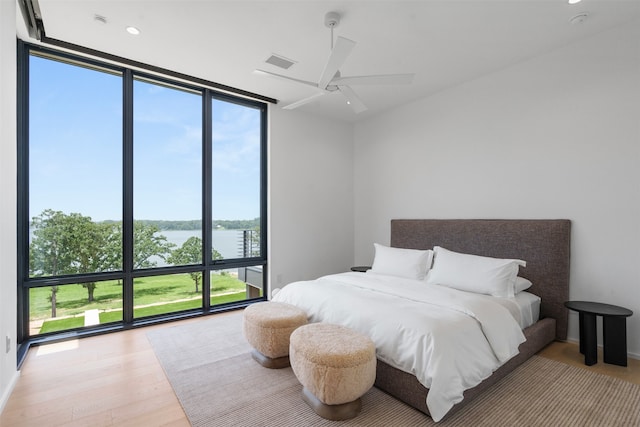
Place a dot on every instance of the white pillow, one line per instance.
(408, 263)
(473, 273)
(521, 284)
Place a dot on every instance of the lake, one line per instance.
(227, 242)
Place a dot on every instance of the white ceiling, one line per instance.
(444, 42)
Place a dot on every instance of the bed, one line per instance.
(543, 244)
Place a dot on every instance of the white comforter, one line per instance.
(450, 340)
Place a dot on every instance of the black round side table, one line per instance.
(614, 331)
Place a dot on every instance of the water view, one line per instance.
(178, 138)
(228, 243)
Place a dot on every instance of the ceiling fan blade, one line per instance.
(339, 54)
(303, 101)
(382, 79)
(352, 99)
(280, 76)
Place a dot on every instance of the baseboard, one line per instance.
(629, 354)
(9, 390)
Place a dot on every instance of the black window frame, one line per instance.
(128, 273)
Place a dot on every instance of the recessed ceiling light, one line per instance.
(133, 30)
(574, 1)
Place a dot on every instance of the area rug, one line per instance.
(218, 384)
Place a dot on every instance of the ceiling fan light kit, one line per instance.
(331, 79)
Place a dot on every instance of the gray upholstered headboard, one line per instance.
(544, 244)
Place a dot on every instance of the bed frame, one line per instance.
(544, 244)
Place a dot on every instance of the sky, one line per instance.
(75, 148)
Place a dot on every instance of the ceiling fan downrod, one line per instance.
(331, 20)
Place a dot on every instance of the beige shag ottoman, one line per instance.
(267, 326)
(336, 365)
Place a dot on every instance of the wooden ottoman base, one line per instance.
(344, 411)
(270, 362)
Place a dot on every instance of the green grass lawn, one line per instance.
(152, 295)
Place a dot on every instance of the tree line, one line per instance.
(64, 244)
(196, 224)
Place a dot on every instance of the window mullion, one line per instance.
(127, 195)
(206, 197)
(23, 192)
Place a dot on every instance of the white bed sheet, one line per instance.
(524, 307)
(449, 339)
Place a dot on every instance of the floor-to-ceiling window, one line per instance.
(140, 197)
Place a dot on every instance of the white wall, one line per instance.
(557, 136)
(311, 196)
(8, 373)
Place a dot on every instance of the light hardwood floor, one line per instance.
(115, 379)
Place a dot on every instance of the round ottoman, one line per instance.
(267, 326)
(336, 366)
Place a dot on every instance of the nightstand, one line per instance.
(614, 331)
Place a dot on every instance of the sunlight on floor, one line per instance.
(43, 350)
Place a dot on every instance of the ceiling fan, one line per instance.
(332, 81)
